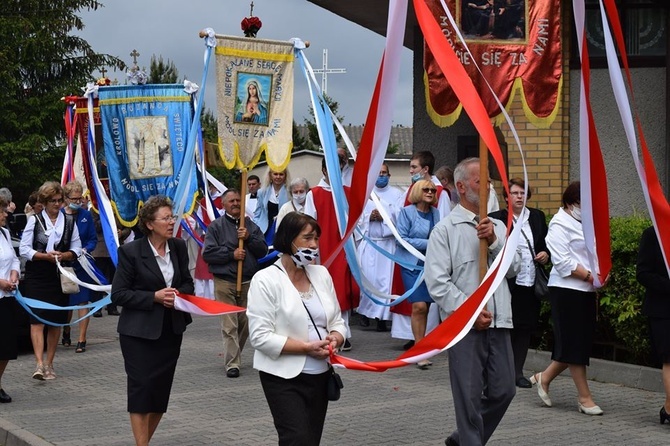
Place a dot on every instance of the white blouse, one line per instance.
(8, 260)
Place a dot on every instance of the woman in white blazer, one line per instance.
(294, 324)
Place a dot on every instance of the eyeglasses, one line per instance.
(427, 190)
(56, 201)
(168, 218)
(76, 199)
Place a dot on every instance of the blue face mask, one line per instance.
(74, 206)
(416, 177)
(382, 181)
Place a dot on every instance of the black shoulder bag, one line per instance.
(540, 287)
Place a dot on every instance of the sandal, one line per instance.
(81, 347)
(66, 338)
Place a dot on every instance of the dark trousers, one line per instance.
(298, 406)
(481, 370)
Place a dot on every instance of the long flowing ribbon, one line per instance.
(592, 175)
(657, 204)
(203, 307)
(28, 304)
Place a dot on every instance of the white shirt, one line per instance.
(526, 276)
(165, 264)
(565, 241)
(250, 206)
(8, 260)
(53, 231)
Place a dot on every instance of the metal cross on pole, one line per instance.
(103, 71)
(325, 71)
(134, 54)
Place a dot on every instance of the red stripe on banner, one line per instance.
(660, 209)
(211, 306)
(599, 195)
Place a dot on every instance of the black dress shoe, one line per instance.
(664, 415)
(4, 398)
(113, 312)
(450, 442)
(407, 345)
(524, 383)
(233, 373)
(97, 313)
(381, 325)
(365, 322)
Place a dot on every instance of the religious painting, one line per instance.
(493, 19)
(149, 153)
(253, 94)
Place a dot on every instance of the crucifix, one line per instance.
(134, 54)
(103, 71)
(251, 12)
(325, 71)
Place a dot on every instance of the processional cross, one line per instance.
(134, 54)
(103, 71)
(251, 12)
(325, 71)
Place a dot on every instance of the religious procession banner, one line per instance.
(516, 44)
(145, 130)
(255, 101)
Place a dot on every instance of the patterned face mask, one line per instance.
(304, 256)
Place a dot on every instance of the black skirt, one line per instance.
(8, 329)
(43, 283)
(525, 307)
(659, 328)
(573, 314)
(150, 366)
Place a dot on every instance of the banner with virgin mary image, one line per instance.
(516, 44)
(255, 101)
(145, 130)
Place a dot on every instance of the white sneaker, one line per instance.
(49, 372)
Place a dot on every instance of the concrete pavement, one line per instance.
(86, 404)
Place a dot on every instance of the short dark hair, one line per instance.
(425, 159)
(572, 194)
(290, 227)
(253, 177)
(518, 182)
(149, 209)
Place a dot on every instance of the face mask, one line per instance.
(382, 181)
(74, 206)
(416, 177)
(576, 213)
(304, 256)
(299, 198)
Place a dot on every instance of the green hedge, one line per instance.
(622, 332)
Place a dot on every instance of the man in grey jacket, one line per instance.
(222, 254)
(481, 367)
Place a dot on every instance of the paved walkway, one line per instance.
(86, 404)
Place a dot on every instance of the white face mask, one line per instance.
(576, 213)
(304, 256)
(299, 198)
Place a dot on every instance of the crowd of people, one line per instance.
(299, 312)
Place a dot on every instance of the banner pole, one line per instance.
(483, 204)
(243, 195)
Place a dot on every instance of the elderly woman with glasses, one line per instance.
(49, 236)
(150, 271)
(415, 222)
(74, 198)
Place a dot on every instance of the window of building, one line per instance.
(644, 24)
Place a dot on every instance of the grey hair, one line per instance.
(300, 181)
(6, 194)
(461, 170)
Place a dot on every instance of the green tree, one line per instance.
(311, 124)
(42, 61)
(162, 72)
(299, 142)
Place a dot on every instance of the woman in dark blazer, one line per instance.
(525, 305)
(653, 275)
(149, 273)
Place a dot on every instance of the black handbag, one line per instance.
(540, 287)
(335, 383)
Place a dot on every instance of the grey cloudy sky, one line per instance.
(169, 28)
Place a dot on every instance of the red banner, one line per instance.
(516, 44)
